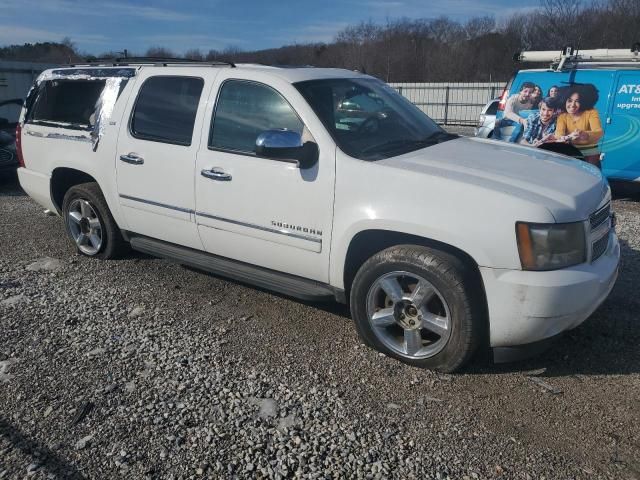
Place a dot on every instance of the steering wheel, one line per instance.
(371, 124)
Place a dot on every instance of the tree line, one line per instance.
(426, 49)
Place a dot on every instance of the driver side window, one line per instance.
(246, 109)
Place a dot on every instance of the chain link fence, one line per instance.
(451, 103)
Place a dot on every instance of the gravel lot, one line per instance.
(140, 368)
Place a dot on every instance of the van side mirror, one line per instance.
(287, 146)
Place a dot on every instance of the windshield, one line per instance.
(368, 119)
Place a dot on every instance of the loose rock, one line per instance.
(46, 264)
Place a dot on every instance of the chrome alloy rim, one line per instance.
(408, 315)
(85, 226)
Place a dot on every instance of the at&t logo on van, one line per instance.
(630, 88)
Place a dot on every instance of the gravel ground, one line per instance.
(140, 368)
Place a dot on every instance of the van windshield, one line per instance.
(368, 119)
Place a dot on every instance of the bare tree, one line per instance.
(194, 54)
(479, 26)
(160, 52)
(427, 49)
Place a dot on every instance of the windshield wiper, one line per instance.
(409, 144)
(440, 136)
(402, 143)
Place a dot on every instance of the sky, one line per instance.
(113, 25)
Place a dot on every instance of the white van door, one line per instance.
(156, 156)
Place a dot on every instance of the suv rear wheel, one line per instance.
(89, 222)
(418, 305)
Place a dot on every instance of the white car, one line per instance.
(440, 245)
(487, 119)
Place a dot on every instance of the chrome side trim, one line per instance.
(59, 136)
(157, 204)
(282, 231)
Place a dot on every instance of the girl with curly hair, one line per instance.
(580, 123)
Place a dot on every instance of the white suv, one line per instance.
(324, 183)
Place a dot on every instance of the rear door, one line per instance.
(621, 146)
(156, 156)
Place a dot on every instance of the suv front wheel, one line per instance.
(89, 222)
(418, 305)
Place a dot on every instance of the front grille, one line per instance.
(599, 221)
(599, 247)
(6, 156)
(598, 218)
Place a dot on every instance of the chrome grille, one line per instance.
(599, 217)
(599, 247)
(600, 231)
(6, 156)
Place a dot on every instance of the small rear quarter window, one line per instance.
(492, 108)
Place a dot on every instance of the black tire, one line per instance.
(455, 281)
(113, 244)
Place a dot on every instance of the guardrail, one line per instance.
(451, 103)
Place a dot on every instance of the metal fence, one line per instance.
(15, 80)
(451, 103)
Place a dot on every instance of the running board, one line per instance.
(286, 284)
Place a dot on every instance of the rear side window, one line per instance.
(165, 110)
(71, 102)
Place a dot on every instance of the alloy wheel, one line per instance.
(409, 315)
(85, 226)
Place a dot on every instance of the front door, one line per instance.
(621, 146)
(262, 211)
(156, 157)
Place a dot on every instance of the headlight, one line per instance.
(550, 246)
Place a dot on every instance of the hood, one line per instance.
(570, 189)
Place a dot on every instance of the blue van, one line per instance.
(586, 105)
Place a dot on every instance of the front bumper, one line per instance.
(527, 307)
(484, 131)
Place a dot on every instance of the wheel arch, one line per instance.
(62, 179)
(367, 243)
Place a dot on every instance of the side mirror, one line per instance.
(286, 146)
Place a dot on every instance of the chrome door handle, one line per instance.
(132, 158)
(216, 174)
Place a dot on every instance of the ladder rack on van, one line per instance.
(569, 57)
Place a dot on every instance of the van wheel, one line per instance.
(90, 224)
(418, 305)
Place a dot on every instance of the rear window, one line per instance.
(71, 102)
(492, 108)
(166, 109)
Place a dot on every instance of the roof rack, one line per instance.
(159, 61)
(569, 57)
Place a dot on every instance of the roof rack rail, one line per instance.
(570, 57)
(164, 61)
